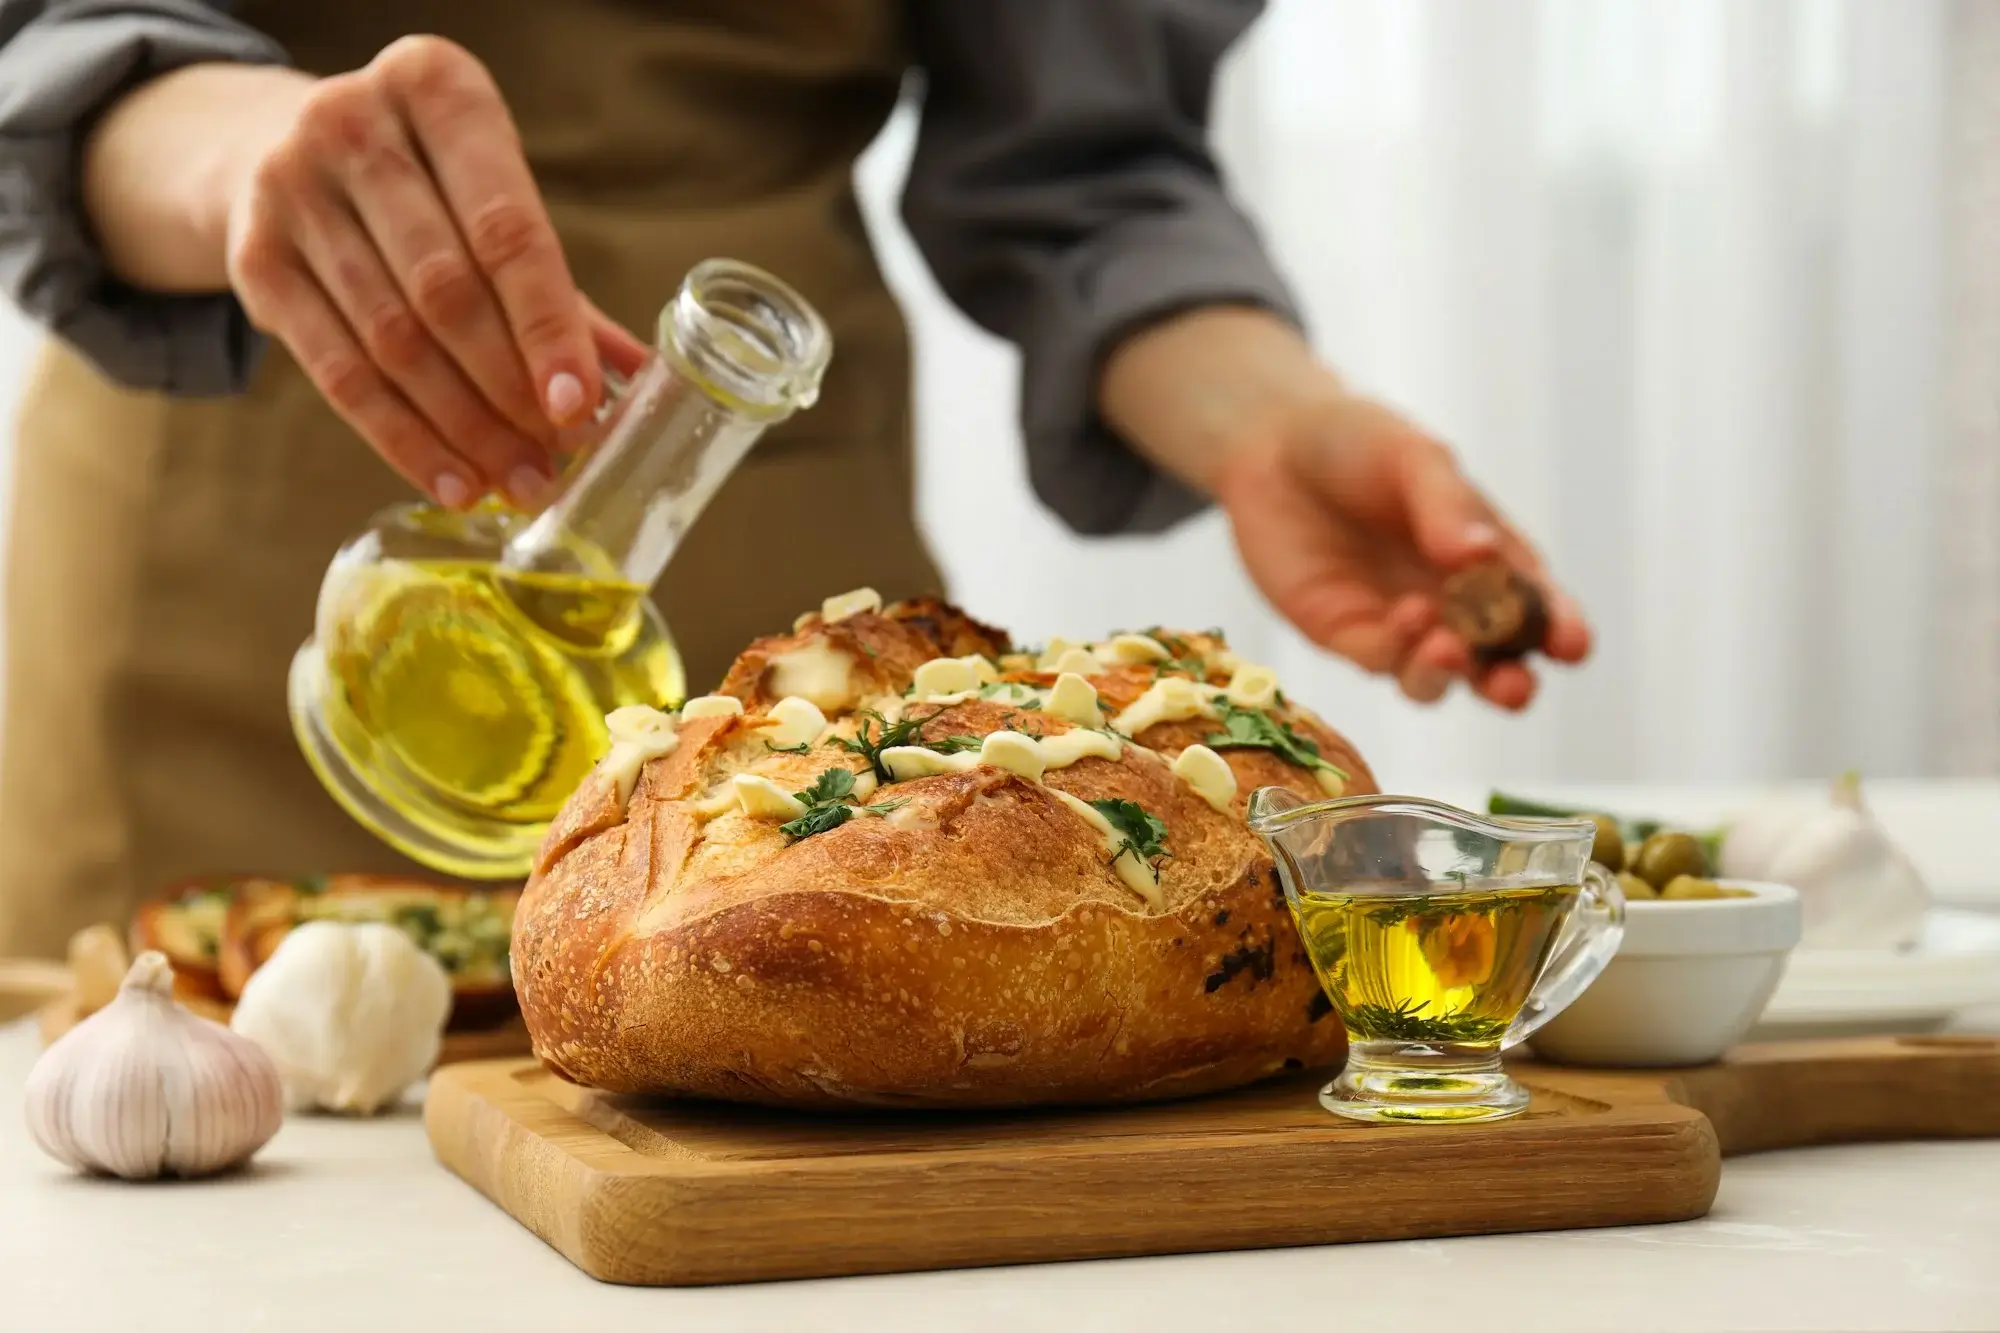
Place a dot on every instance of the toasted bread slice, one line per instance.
(186, 923)
(467, 930)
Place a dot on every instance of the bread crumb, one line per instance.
(720, 964)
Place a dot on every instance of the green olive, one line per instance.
(1634, 887)
(1665, 855)
(1609, 849)
(1683, 887)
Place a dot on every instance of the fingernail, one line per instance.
(451, 490)
(1481, 534)
(565, 396)
(525, 483)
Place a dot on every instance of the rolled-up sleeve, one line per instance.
(62, 63)
(1063, 194)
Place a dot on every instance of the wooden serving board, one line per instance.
(679, 1194)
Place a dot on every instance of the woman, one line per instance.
(261, 233)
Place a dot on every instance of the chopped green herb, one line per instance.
(835, 784)
(826, 807)
(817, 819)
(1140, 834)
(1217, 635)
(823, 802)
(954, 744)
(1406, 1022)
(1255, 729)
(877, 734)
(801, 748)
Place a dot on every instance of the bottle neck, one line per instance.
(738, 352)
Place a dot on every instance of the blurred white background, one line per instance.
(1667, 273)
(1672, 277)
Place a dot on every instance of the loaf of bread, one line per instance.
(895, 862)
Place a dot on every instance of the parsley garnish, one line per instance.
(1140, 834)
(954, 744)
(801, 748)
(826, 807)
(1255, 729)
(817, 819)
(835, 784)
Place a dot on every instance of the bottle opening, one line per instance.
(742, 333)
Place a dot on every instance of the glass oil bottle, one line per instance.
(453, 693)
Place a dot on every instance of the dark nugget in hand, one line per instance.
(1496, 610)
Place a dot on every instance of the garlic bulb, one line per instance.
(1857, 890)
(143, 1088)
(351, 1013)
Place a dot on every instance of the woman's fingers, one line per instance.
(1451, 521)
(467, 139)
(285, 300)
(391, 192)
(350, 272)
(1510, 685)
(1454, 525)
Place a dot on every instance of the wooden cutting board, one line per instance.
(678, 1194)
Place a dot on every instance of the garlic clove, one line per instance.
(1857, 889)
(351, 1013)
(143, 1088)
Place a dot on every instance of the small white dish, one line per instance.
(1954, 966)
(1689, 980)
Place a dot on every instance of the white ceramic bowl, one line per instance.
(1689, 980)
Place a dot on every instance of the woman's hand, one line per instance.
(1348, 518)
(384, 226)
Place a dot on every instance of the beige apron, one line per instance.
(166, 554)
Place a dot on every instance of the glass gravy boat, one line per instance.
(1443, 938)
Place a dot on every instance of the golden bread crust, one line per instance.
(972, 947)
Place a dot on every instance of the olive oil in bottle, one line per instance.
(454, 693)
(1445, 969)
(468, 690)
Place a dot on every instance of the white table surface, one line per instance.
(346, 1225)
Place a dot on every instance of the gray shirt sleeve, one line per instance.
(63, 62)
(1063, 194)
